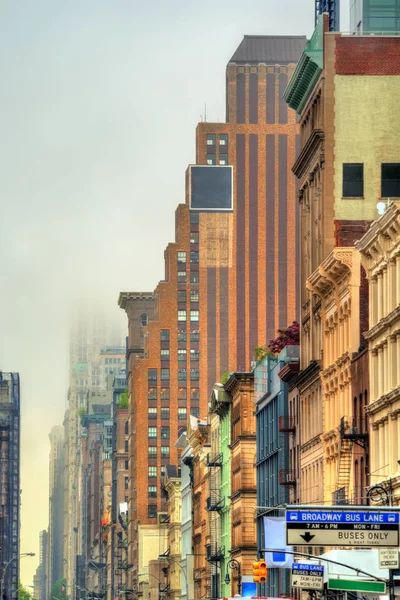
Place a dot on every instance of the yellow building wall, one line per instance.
(152, 543)
(366, 113)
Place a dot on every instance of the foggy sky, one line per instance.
(99, 103)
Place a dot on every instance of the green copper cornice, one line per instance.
(307, 72)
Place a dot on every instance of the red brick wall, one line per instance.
(367, 55)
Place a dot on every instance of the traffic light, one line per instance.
(260, 571)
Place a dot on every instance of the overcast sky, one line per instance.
(99, 104)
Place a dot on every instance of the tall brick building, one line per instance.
(345, 90)
(230, 276)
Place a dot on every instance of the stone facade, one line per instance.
(380, 253)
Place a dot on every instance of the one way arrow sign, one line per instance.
(307, 537)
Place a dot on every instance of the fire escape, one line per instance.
(215, 503)
(287, 477)
(352, 430)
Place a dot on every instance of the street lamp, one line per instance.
(234, 564)
(3, 575)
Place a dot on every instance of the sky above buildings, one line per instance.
(98, 110)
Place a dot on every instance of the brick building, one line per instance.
(228, 283)
(345, 168)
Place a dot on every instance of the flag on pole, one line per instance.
(275, 537)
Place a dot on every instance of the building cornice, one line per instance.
(313, 143)
(384, 402)
(341, 266)
(384, 325)
(125, 297)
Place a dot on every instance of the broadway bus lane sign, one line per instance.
(307, 576)
(323, 527)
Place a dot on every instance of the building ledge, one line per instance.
(383, 324)
(313, 142)
(384, 402)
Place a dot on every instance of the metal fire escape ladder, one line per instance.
(215, 503)
(345, 455)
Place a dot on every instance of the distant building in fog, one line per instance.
(55, 552)
(9, 480)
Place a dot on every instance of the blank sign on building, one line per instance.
(211, 188)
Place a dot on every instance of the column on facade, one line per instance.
(379, 298)
(392, 284)
(393, 362)
(385, 366)
(340, 334)
(380, 373)
(397, 280)
(381, 446)
(393, 447)
(397, 370)
(385, 299)
(372, 301)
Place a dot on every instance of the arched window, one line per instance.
(126, 427)
(143, 320)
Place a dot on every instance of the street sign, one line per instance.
(388, 558)
(307, 576)
(357, 585)
(342, 527)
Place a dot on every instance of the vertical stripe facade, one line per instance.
(240, 249)
(253, 98)
(270, 114)
(240, 98)
(211, 327)
(253, 242)
(223, 320)
(282, 225)
(283, 107)
(270, 216)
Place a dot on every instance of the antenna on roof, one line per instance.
(205, 111)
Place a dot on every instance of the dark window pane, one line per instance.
(211, 139)
(181, 335)
(391, 180)
(211, 159)
(164, 335)
(152, 511)
(223, 139)
(353, 180)
(181, 276)
(181, 296)
(164, 374)
(164, 393)
(195, 335)
(152, 394)
(194, 257)
(164, 413)
(165, 433)
(152, 374)
(194, 237)
(194, 218)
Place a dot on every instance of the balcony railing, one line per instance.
(286, 424)
(287, 477)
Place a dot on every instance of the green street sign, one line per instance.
(357, 585)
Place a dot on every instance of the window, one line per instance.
(152, 472)
(163, 470)
(164, 374)
(194, 277)
(194, 394)
(152, 451)
(181, 258)
(195, 335)
(194, 218)
(223, 139)
(194, 237)
(223, 159)
(194, 315)
(152, 511)
(181, 276)
(126, 479)
(194, 355)
(126, 427)
(152, 374)
(181, 315)
(353, 180)
(152, 432)
(164, 352)
(152, 414)
(182, 393)
(181, 374)
(165, 433)
(152, 394)
(164, 393)
(126, 465)
(194, 295)
(152, 491)
(164, 414)
(181, 295)
(164, 335)
(390, 180)
(194, 257)
(194, 374)
(182, 414)
(181, 335)
(164, 451)
(126, 446)
(182, 355)
(211, 139)
(143, 321)
(194, 411)
(211, 159)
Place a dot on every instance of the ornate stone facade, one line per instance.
(380, 252)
